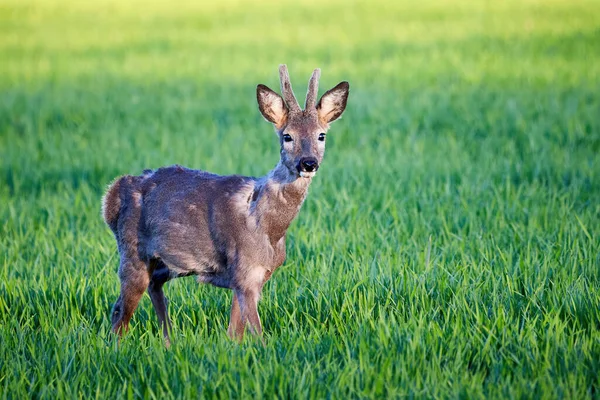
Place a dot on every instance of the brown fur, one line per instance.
(111, 204)
(229, 231)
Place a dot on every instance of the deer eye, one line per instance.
(322, 137)
(287, 138)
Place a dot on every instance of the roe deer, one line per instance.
(228, 230)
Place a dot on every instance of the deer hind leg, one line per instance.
(160, 275)
(134, 282)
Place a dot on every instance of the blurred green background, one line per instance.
(448, 247)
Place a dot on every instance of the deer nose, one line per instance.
(308, 164)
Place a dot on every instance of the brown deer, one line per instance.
(229, 231)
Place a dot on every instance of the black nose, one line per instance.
(308, 164)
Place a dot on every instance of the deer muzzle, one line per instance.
(307, 166)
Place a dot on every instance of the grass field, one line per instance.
(449, 246)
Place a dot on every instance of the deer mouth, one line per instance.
(305, 174)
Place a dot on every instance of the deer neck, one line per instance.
(277, 200)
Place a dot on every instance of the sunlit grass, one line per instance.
(448, 247)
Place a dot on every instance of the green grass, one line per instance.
(449, 246)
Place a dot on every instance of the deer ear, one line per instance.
(271, 106)
(333, 103)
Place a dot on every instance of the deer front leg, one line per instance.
(244, 311)
(157, 295)
(236, 327)
(160, 275)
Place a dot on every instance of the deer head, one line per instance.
(302, 132)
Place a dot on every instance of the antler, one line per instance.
(313, 90)
(286, 90)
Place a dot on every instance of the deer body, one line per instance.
(228, 231)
